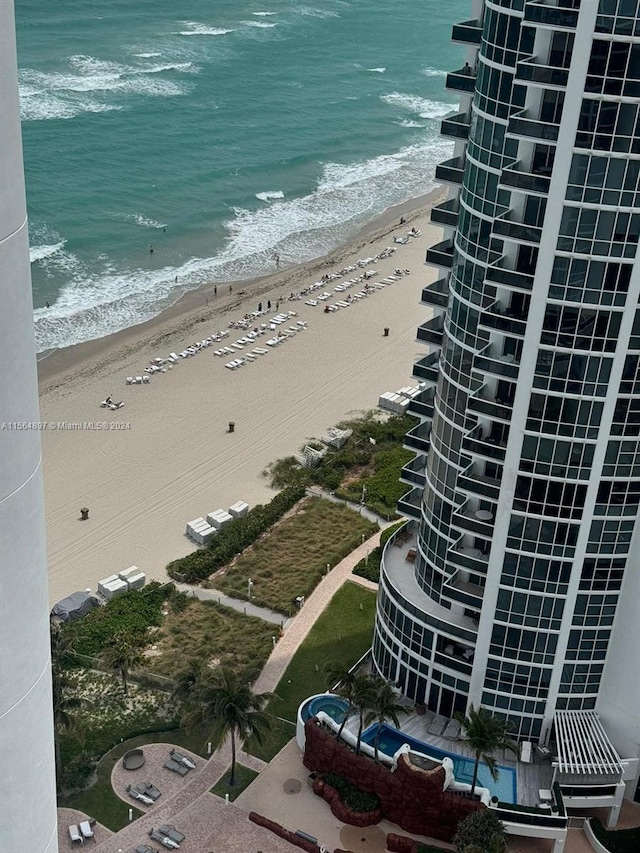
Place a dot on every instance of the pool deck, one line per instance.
(530, 778)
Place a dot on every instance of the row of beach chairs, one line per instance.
(202, 530)
(131, 578)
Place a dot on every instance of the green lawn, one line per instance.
(244, 777)
(341, 635)
(293, 558)
(100, 801)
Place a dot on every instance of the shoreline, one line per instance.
(56, 367)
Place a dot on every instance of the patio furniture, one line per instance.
(525, 752)
(167, 842)
(87, 832)
(150, 790)
(144, 848)
(183, 759)
(137, 792)
(452, 730)
(176, 767)
(437, 725)
(74, 834)
(411, 556)
(133, 759)
(544, 752)
(171, 832)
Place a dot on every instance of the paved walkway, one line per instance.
(246, 607)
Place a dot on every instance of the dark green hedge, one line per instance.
(234, 537)
(616, 840)
(353, 798)
(131, 613)
(370, 568)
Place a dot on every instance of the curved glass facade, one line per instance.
(531, 476)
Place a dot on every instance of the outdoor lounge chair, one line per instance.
(150, 790)
(74, 834)
(87, 832)
(171, 832)
(437, 725)
(137, 792)
(167, 842)
(172, 764)
(144, 848)
(183, 759)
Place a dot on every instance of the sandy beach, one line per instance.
(167, 456)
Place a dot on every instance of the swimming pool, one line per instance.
(334, 706)
(505, 788)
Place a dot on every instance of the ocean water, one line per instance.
(219, 132)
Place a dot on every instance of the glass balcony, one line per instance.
(526, 181)
(470, 523)
(461, 81)
(469, 594)
(451, 171)
(485, 448)
(431, 332)
(456, 127)
(411, 503)
(517, 231)
(446, 213)
(478, 484)
(441, 255)
(436, 294)
(468, 32)
(544, 75)
(422, 403)
(418, 438)
(528, 128)
(503, 323)
(491, 408)
(551, 16)
(427, 368)
(471, 559)
(510, 278)
(413, 473)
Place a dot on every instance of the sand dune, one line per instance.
(174, 459)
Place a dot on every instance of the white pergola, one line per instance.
(585, 755)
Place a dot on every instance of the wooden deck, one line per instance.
(530, 778)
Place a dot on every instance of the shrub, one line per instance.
(355, 799)
(477, 830)
(131, 613)
(235, 537)
(369, 568)
(616, 840)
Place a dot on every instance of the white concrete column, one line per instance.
(27, 777)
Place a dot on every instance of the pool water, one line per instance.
(505, 788)
(334, 706)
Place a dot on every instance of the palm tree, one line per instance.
(122, 655)
(188, 679)
(63, 704)
(362, 701)
(224, 701)
(342, 681)
(384, 706)
(484, 734)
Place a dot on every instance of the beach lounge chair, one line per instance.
(437, 725)
(144, 848)
(151, 790)
(171, 832)
(452, 730)
(176, 767)
(74, 834)
(163, 839)
(183, 759)
(87, 832)
(137, 792)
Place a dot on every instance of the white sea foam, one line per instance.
(377, 70)
(43, 105)
(196, 29)
(308, 12)
(423, 107)
(270, 196)
(258, 24)
(433, 72)
(95, 303)
(147, 55)
(146, 222)
(39, 253)
(263, 14)
(407, 122)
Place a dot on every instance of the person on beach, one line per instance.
(277, 259)
(268, 305)
(230, 289)
(260, 307)
(150, 249)
(277, 305)
(215, 289)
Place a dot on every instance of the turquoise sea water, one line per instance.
(220, 132)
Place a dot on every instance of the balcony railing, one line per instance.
(529, 128)
(468, 32)
(470, 559)
(418, 438)
(413, 472)
(485, 448)
(510, 278)
(544, 75)
(469, 594)
(422, 403)
(478, 484)
(456, 127)
(436, 294)
(491, 408)
(431, 332)
(410, 504)
(468, 522)
(551, 16)
(461, 81)
(427, 368)
(503, 323)
(517, 231)
(526, 181)
(441, 255)
(446, 213)
(450, 171)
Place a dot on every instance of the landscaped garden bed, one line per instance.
(293, 558)
(348, 803)
(616, 840)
